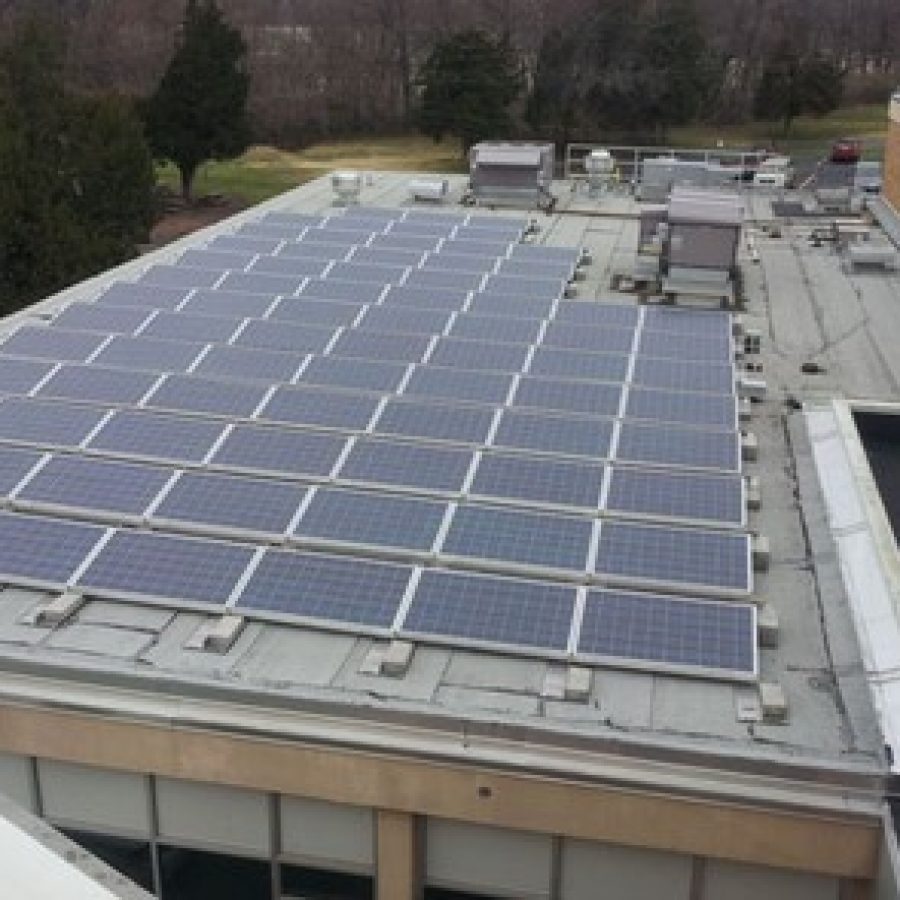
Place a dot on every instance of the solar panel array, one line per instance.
(392, 423)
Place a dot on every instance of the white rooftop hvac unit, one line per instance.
(515, 173)
(347, 186)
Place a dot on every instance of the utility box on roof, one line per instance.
(512, 173)
(704, 230)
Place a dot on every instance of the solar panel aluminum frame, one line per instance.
(662, 586)
(732, 425)
(707, 673)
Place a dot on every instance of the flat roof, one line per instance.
(807, 308)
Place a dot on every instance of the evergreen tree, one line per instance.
(469, 82)
(198, 111)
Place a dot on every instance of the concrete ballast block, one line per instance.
(397, 658)
(774, 702)
(578, 683)
(767, 625)
(58, 609)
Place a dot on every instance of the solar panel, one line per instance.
(491, 610)
(464, 424)
(103, 317)
(685, 346)
(431, 227)
(706, 498)
(284, 336)
(216, 260)
(310, 406)
(467, 354)
(405, 241)
(482, 533)
(190, 393)
(588, 337)
(654, 555)
(326, 588)
(262, 449)
(247, 364)
(98, 385)
(229, 303)
(152, 354)
(386, 256)
(459, 262)
(404, 319)
(52, 343)
(554, 434)
(231, 243)
(678, 375)
(647, 630)
(432, 278)
(407, 465)
(506, 305)
(712, 410)
(148, 435)
(41, 551)
(313, 250)
(19, 376)
(292, 220)
(544, 270)
(179, 277)
(364, 374)
(182, 326)
(255, 283)
(457, 384)
(536, 480)
(526, 288)
(232, 503)
(426, 298)
(466, 254)
(45, 423)
(334, 289)
(578, 365)
(495, 248)
(496, 328)
(542, 251)
(282, 231)
(102, 486)
(15, 464)
(669, 445)
(333, 238)
(370, 519)
(569, 396)
(151, 296)
(315, 312)
(348, 271)
(691, 322)
(296, 266)
(161, 566)
(381, 346)
(590, 312)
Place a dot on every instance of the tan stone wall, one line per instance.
(892, 164)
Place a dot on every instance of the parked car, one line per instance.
(846, 150)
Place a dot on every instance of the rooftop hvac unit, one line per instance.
(515, 173)
(434, 189)
(347, 186)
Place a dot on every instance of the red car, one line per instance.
(846, 150)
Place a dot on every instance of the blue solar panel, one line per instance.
(465, 424)
(407, 465)
(335, 289)
(247, 364)
(386, 256)
(48, 424)
(545, 269)
(284, 336)
(232, 243)
(711, 410)
(709, 498)
(379, 520)
(296, 266)
(315, 312)
(496, 328)
(15, 464)
(447, 299)
(492, 610)
(365, 374)
(151, 354)
(98, 385)
(589, 338)
(685, 346)
(260, 449)
(161, 566)
(52, 343)
(292, 220)
(525, 288)
(482, 534)
(577, 365)
(92, 484)
(254, 283)
(510, 305)
(149, 296)
(281, 230)
(403, 319)
(314, 250)
(203, 395)
(457, 384)
(19, 376)
(327, 588)
(381, 346)
(646, 630)
(590, 312)
(679, 375)
(156, 436)
(432, 278)
(179, 277)
(535, 480)
(445, 260)
(231, 502)
(569, 396)
(183, 326)
(692, 322)
(217, 260)
(690, 447)
(654, 555)
(372, 274)
(478, 247)
(554, 434)
(38, 550)
(312, 406)
(421, 242)
(418, 225)
(465, 354)
(103, 317)
(234, 304)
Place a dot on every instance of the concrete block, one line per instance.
(397, 658)
(578, 683)
(762, 553)
(58, 609)
(774, 702)
(754, 492)
(749, 446)
(767, 625)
